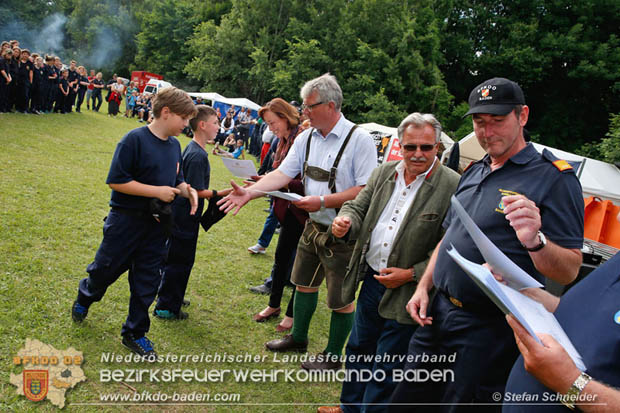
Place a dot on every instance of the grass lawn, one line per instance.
(53, 198)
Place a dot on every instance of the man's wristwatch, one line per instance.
(542, 241)
(572, 395)
(322, 198)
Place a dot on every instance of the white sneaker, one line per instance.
(257, 249)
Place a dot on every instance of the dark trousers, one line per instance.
(59, 106)
(69, 101)
(181, 256)
(373, 335)
(485, 352)
(4, 95)
(23, 96)
(290, 232)
(96, 101)
(137, 244)
(36, 98)
(80, 98)
(51, 96)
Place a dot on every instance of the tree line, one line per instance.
(392, 57)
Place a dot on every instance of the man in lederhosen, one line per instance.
(335, 159)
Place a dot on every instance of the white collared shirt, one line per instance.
(356, 164)
(382, 237)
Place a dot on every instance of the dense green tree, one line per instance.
(565, 54)
(101, 34)
(384, 53)
(164, 29)
(608, 148)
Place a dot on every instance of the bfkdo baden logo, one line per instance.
(47, 372)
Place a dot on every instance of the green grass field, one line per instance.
(53, 198)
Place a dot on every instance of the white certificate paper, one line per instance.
(239, 167)
(532, 315)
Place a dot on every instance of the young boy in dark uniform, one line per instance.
(63, 92)
(182, 252)
(36, 93)
(49, 83)
(25, 74)
(145, 175)
(74, 79)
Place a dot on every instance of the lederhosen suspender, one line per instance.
(319, 174)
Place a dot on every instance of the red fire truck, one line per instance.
(141, 78)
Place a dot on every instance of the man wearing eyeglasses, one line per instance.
(335, 160)
(530, 205)
(396, 222)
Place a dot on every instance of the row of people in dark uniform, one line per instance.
(31, 83)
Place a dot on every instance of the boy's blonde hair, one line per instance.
(176, 100)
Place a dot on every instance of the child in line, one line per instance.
(197, 172)
(145, 176)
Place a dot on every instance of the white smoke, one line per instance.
(47, 37)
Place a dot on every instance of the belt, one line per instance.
(472, 308)
(131, 212)
(320, 227)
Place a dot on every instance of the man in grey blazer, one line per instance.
(396, 222)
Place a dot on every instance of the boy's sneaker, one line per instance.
(169, 315)
(78, 312)
(257, 249)
(141, 346)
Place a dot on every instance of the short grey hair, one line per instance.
(420, 120)
(327, 87)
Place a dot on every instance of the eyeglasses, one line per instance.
(426, 147)
(310, 107)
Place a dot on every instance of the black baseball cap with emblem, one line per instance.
(497, 96)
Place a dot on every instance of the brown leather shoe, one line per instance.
(323, 361)
(329, 409)
(286, 343)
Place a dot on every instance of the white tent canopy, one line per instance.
(597, 178)
(216, 97)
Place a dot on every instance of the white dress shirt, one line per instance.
(382, 237)
(356, 164)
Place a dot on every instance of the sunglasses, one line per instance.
(424, 147)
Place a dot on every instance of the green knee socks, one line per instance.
(339, 329)
(303, 309)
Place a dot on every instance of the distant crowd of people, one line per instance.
(34, 83)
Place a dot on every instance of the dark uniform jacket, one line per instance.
(415, 241)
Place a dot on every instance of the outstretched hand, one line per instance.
(234, 200)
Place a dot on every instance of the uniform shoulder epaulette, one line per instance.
(560, 164)
(468, 166)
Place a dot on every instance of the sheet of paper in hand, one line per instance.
(289, 196)
(532, 315)
(239, 167)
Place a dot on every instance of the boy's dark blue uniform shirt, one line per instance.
(143, 157)
(197, 172)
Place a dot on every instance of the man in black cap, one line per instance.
(530, 205)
